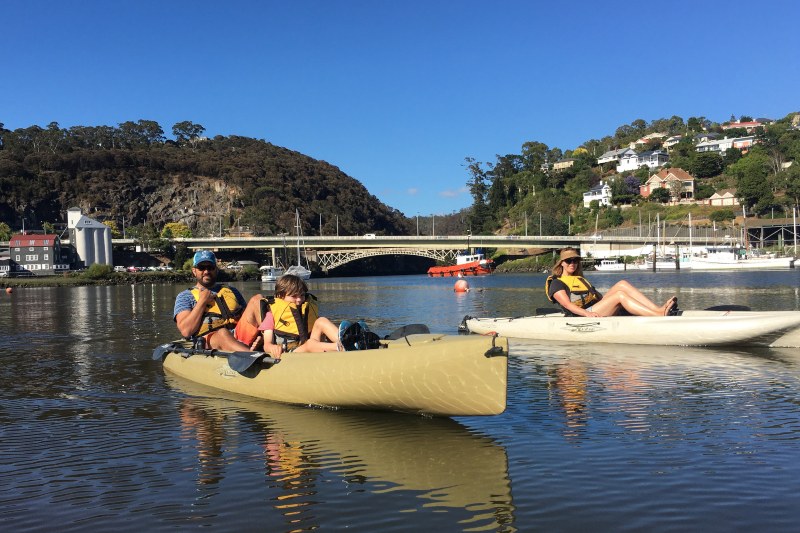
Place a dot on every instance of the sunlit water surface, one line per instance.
(93, 435)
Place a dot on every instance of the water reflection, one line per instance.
(439, 461)
(660, 391)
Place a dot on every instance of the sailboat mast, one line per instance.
(297, 230)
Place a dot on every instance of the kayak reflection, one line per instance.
(645, 389)
(439, 459)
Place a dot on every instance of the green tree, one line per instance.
(706, 165)
(480, 219)
(187, 132)
(5, 232)
(659, 195)
(722, 215)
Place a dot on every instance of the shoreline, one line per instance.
(80, 279)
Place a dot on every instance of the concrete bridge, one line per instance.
(333, 251)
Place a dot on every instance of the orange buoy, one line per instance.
(9, 290)
(461, 286)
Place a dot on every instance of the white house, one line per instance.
(600, 192)
(628, 161)
(653, 158)
(721, 146)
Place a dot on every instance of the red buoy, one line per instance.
(461, 286)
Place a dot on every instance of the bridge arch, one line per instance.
(328, 260)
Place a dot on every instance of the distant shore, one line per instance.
(78, 279)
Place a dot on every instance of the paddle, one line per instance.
(405, 331)
(238, 361)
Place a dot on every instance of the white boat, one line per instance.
(610, 265)
(270, 273)
(688, 328)
(665, 263)
(299, 271)
(737, 258)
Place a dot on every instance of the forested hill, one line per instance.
(133, 175)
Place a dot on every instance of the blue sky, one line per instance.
(397, 94)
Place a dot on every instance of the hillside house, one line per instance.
(628, 161)
(644, 141)
(721, 146)
(750, 126)
(613, 156)
(600, 192)
(653, 158)
(723, 197)
(669, 142)
(563, 164)
(677, 181)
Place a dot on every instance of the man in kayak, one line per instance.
(216, 313)
(577, 297)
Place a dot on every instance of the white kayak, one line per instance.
(688, 328)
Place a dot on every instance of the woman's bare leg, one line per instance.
(635, 294)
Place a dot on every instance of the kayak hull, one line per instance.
(437, 375)
(689, 328)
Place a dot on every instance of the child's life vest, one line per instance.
(293, 324)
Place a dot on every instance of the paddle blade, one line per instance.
(158, 353)
(241, 361)
(405, 331)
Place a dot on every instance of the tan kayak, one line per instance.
(440, 375)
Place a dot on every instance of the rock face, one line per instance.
(220, 183)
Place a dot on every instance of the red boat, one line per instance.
(466, 265)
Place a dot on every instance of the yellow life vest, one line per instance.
(223, 312)
(577, 286)
(293, 324)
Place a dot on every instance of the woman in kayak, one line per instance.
(577, 297)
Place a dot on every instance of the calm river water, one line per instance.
(94, 436)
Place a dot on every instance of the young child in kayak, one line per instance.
(577, 297)
(292, 323)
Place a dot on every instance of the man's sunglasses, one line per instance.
(207, 268)
(572, 260)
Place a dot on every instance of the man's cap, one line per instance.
(204, 256)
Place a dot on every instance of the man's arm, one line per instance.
(189, 321)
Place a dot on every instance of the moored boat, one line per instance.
(737, 258)
(610, 265)
(431, 374)
(688, 328)
(466, 265)
(270, 273)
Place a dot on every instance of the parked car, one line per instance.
(369, 235)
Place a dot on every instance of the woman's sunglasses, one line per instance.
(572, 260)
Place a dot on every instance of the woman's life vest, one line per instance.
(293, 324)
(224, 312)
(580, 291)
